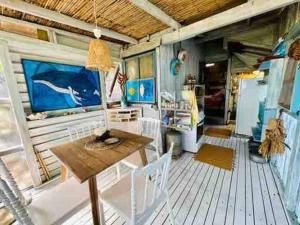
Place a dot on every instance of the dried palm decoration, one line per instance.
(274, 141)
(99, 54)
(294, 50)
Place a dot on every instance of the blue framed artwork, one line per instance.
(54, 86)
(142, 90)
(132, 90)
(147, 90)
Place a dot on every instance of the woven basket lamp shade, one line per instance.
(99, 56)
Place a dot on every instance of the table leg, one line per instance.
(63, 173)
(97, 209)
(143, 156)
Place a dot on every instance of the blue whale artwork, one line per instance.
(53, 86)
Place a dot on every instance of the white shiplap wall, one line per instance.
(50, 132)
(191, 65)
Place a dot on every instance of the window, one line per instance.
(146, 66)
(141, 72)
(140, 67)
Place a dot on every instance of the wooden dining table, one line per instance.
(86, 164)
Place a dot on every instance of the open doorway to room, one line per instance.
(215, 92)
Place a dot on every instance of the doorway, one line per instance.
(215, 92)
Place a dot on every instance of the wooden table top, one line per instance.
(85, 164)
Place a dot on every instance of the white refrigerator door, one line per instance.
(250, 94)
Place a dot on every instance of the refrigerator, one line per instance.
(251, 92)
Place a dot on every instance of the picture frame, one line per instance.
(55, 86)
(141, 91)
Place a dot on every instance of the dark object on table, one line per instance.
(104, 136)
(112, 140)
(253, 151)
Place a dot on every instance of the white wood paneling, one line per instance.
(191, 65)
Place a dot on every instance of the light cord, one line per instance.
(95, 14)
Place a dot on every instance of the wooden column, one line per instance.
(97, 209)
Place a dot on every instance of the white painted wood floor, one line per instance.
(204, 194)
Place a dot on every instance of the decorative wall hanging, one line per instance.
(53, 86)
(294, 50)
(147, 90)
(280, 49)
(122, 80)
(175, 67)
(182, 55)
(132, 90)
(142, 90)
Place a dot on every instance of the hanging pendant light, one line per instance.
(99, 54)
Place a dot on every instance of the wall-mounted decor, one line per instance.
(132, 90)
(142, 91)
(175, 66)
(147, 90)
(53, 86)
(113, 88)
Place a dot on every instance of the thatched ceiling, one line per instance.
(124, 17)
(190, 11)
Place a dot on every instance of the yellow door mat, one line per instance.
(218, 132)
(217, 156)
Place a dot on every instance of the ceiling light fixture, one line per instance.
(99, 54)
(209, 64)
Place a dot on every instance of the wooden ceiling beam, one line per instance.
(231, 16)
(156, 12)
(237, 28)
(63, 19)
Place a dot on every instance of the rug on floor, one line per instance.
(216, 155)
(218, 132)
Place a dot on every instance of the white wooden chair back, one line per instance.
(82, 130)
(151, 128)
(7, 176)
(157, 173)
(14, 204)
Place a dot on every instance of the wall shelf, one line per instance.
(124, 115)
(176, 127)
(176, 110)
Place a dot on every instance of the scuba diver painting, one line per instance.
(53, 86)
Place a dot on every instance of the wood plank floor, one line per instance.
(203, 194)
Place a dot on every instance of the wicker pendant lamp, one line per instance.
(99, 54)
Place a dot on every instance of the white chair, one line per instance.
(136, 196)
(82, 130)
(151, 128)
(53, 206)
